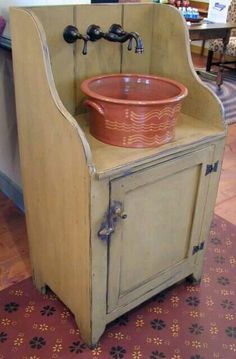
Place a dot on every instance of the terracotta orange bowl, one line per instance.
(132, 110)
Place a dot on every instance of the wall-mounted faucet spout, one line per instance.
(117, 34)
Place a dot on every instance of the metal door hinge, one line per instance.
(198, 248)
(212, 168)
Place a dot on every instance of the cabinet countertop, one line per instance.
(110, 160)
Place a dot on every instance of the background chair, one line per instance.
(2, 25)
(216, 46)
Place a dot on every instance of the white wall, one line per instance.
(9, 152)
(5, 4)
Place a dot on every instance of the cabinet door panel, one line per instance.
(164, 206)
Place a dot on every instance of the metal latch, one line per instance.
(212, 168)
(198, 248)
(111, 217)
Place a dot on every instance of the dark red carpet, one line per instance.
(184, 322)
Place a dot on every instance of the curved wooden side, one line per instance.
(54, 19)
(171, 57)
(56, 168)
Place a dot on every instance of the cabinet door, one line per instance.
(165, 209)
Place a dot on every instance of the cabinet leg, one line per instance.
(194, 279)
(39, 284)
(97, 332)
(90, 335)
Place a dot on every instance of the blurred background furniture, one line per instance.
(2, 25)
(221, 47)
(203, 11)
(212, 31)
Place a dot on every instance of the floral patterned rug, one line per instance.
(184, 322)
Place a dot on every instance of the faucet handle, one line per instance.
(94, 32)
(71, 34)
(117, 30)
(85, 47)
(130, 44)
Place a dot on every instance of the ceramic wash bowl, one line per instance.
(132, 110)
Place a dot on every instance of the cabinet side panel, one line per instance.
(171, 57)
(209, 209)
(56, 179)
(54, 19)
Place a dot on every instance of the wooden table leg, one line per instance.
(219, 78)
(209, 60)
(203, 47)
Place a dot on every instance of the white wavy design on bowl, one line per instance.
(146, 140)
(139, 122)
(126, 127)
(156, 114)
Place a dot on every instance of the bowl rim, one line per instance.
(85, 88)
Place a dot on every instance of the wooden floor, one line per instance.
(14, 252)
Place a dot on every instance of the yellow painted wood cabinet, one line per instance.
(110, 227)
(156, 242)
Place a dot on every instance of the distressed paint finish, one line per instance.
(53, 21)
(70, 178)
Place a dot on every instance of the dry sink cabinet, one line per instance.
(160, 200)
